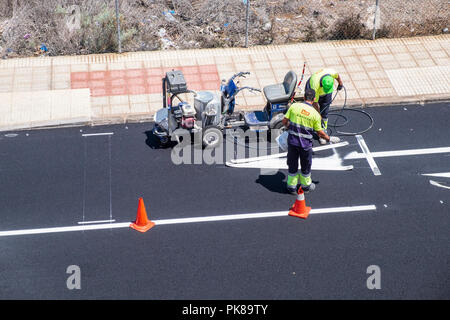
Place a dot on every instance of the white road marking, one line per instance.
(183, 220)
(64, 229)
(395, 153)
(284, 154)
(262, 215)
(368, 155)
(437, 184)
(441, 174)
(98, 134)
(280, 164)
(332, 163)
(97, 221)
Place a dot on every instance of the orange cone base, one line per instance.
(143, 228)
(302, 215)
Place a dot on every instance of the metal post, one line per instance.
(118, 26)
(246, 21)
(377, 8)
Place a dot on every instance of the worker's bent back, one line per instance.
(304, 120)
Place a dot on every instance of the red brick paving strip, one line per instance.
(142, 81)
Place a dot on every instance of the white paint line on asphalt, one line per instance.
(65, 229)
(183, 220)
(280, 164)
(263, 215)
(441, 174)
(333, 163)
(98, 134)
(98, 221)
(284, 154)
(368, 155)
(395, 153)
(437, 184)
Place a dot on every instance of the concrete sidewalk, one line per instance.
(113, 88)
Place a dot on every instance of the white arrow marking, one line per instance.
(442, 174)
(437, 184)
(284, 154)
(332, 162)
(318, 164)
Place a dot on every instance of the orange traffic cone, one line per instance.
(299, 209)
(142, 223)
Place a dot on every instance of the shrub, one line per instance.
(349, 27)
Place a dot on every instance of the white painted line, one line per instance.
(183, 220)
(280, 166)
(332, 163)
(441, 174)
(437, 184)
(97, 134)
(253, 159)
(368, 155)
(331, 146)
(65, 229)
(284, 154)
(262, 215)
(395, 153)
(98, 221)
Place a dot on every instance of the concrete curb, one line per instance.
(147, 118)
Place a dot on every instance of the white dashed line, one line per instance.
(97, 134)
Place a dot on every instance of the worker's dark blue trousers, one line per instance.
(304, 176)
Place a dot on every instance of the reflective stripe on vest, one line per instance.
(302, 135)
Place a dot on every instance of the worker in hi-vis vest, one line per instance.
(322, 83)
(302, 121)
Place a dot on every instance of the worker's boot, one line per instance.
(292, 190)
(309, 188)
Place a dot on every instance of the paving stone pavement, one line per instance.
(119, 88)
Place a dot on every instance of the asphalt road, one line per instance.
(58, 178)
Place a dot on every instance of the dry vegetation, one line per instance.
(69, 27)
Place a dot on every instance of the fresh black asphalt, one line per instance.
(57, 178)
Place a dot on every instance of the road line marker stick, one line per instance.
(183, 220)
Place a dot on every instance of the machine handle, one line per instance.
(240, 74)
(252, 89)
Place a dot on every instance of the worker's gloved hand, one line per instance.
(340, 87)
(334, 139)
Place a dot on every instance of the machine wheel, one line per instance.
(276, 131)
(164, 142)
(212, 137)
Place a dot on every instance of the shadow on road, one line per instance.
(154, 143)
(273, 183)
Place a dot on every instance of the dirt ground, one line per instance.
(70, 27)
